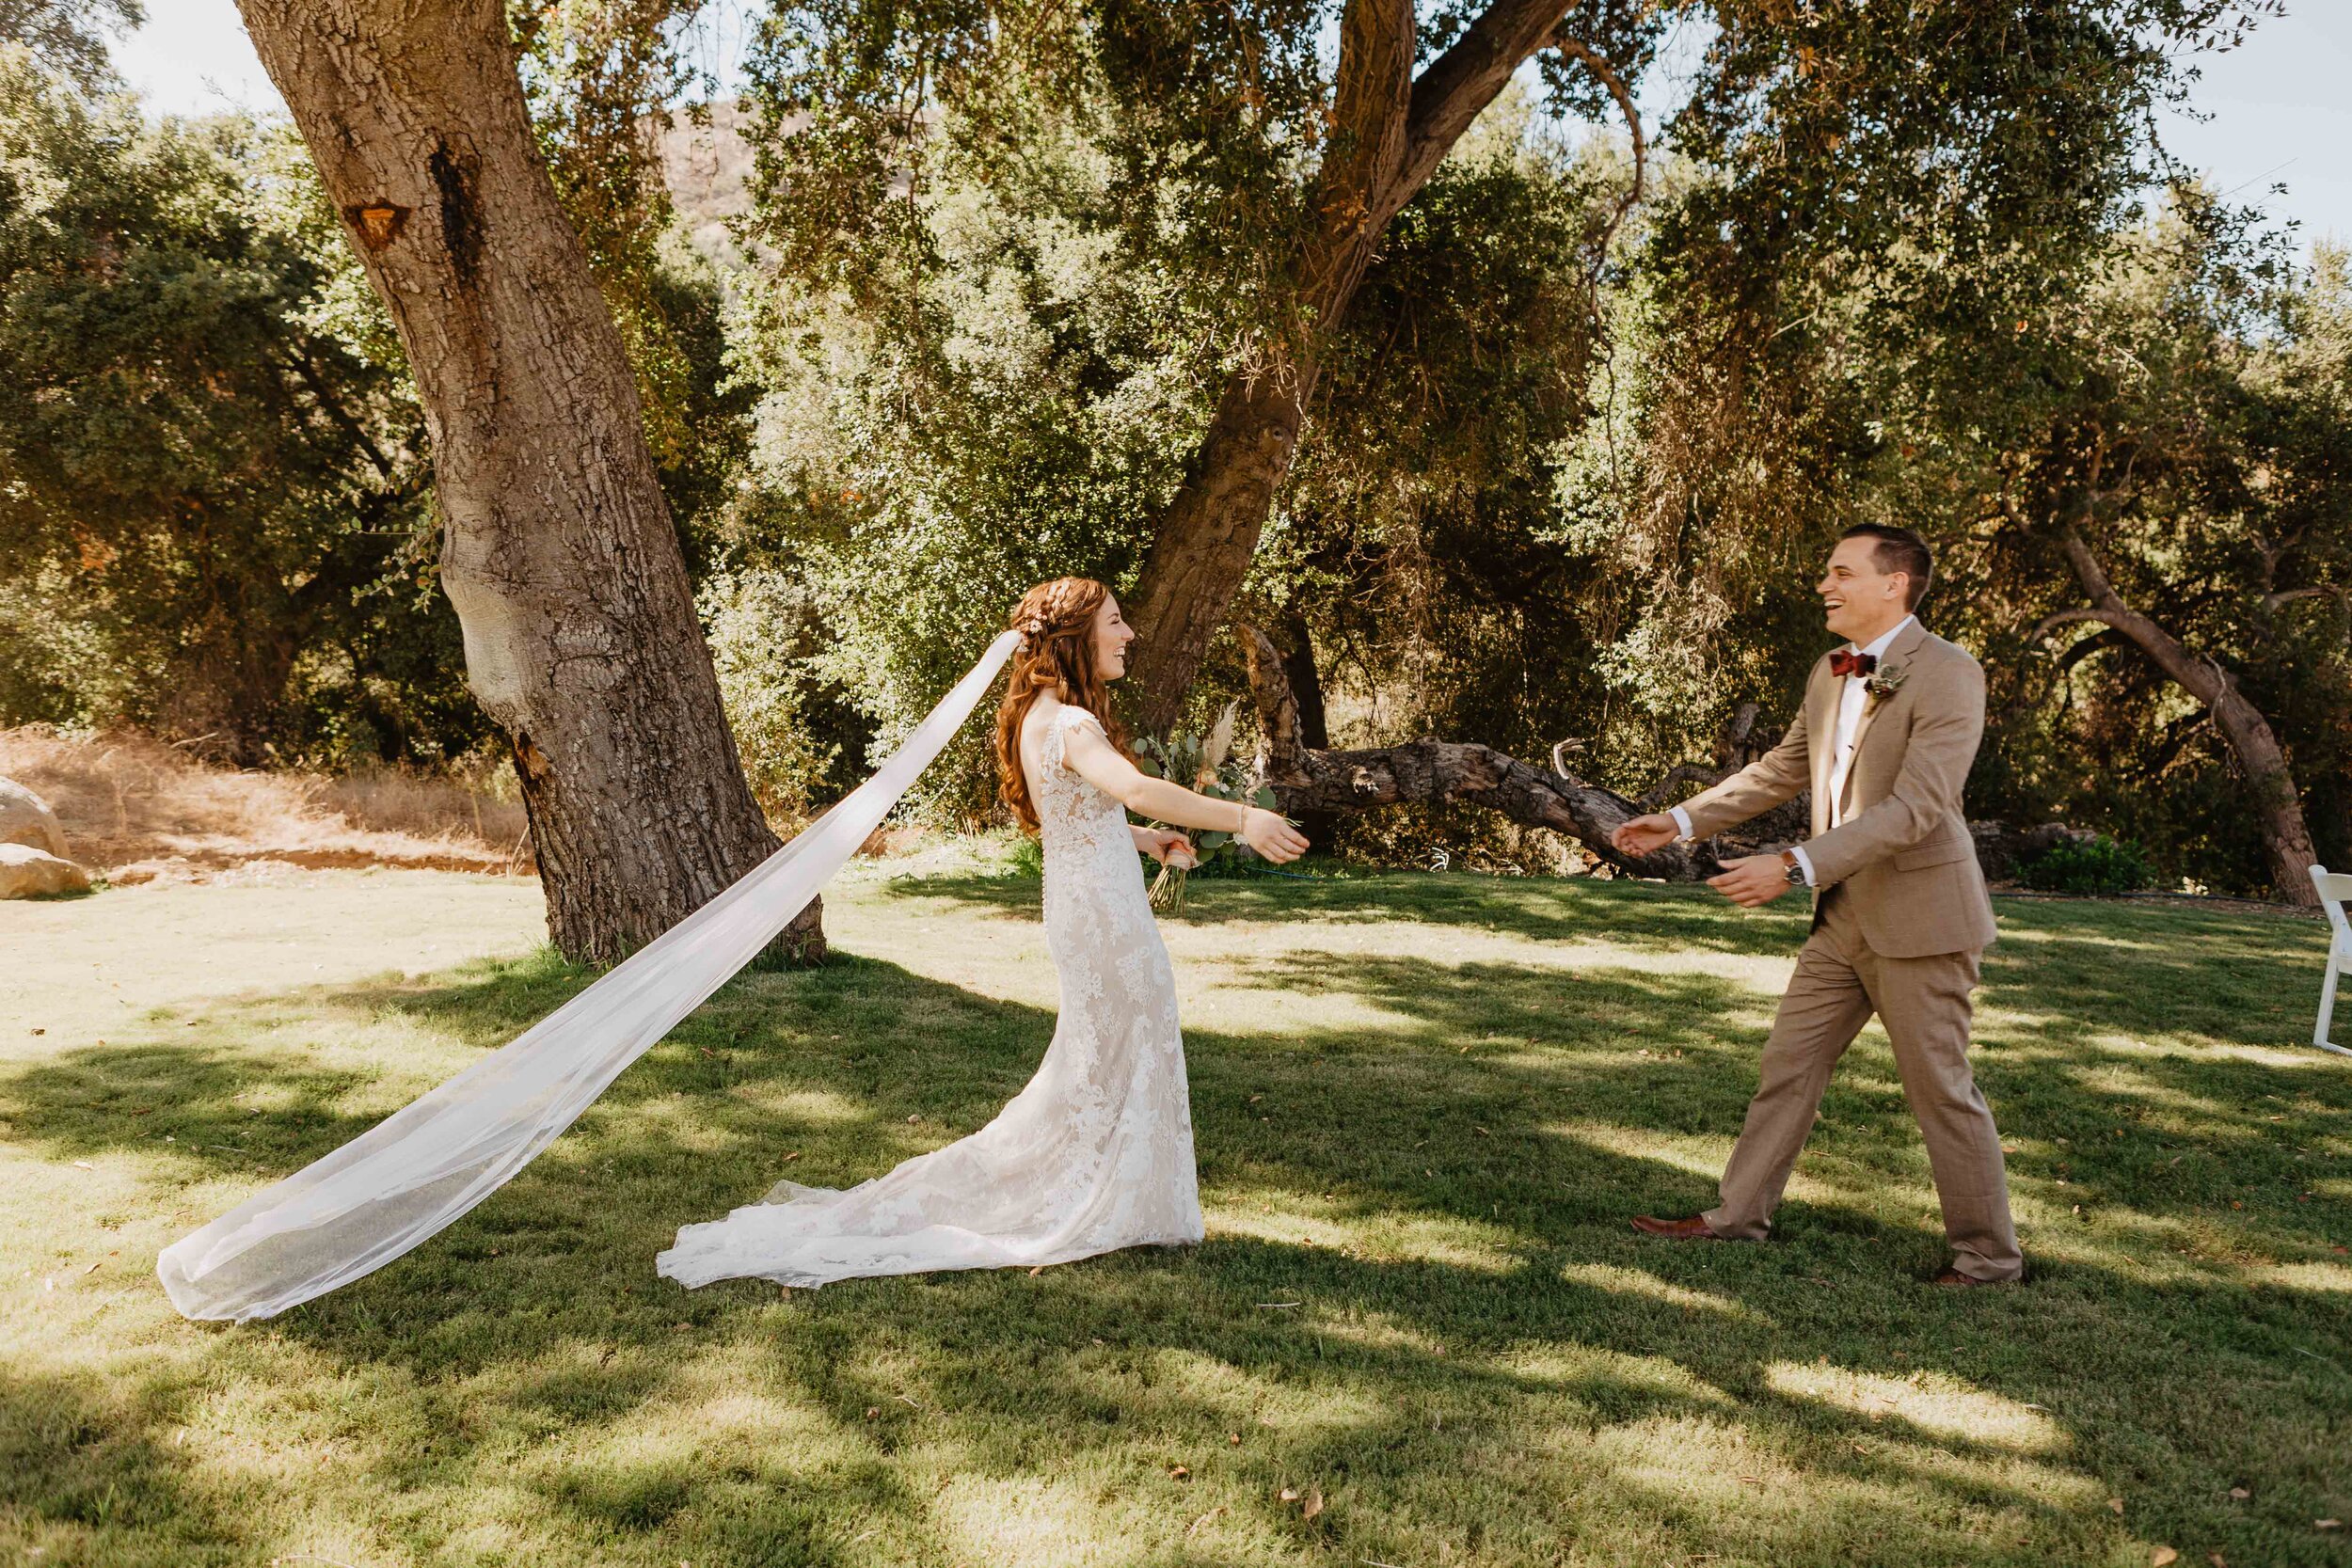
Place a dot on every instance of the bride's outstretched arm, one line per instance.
(1094, 759)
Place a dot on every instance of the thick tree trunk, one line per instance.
(1208, 535)
(559, 553)
(1294, 727)
(1277, 699)
(2272, 796)
(1298, 666)
(1390, 131)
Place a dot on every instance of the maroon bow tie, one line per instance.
(1842, 663)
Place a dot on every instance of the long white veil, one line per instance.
(421, 1168)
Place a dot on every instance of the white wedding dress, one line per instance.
(1095, 1155)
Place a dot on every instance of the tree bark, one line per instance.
(559, 553)
(1277, 699)
(2274, 799)
(1298, 666)
(1315, 783)
(1435, 772)
(1311, 781)
(1390, 131)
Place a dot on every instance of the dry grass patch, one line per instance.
(140, 810)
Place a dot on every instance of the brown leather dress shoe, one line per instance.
(1954, 1278)
(1692, 1229)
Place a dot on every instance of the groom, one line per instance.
(1884, 740)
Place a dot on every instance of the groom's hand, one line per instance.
(1644, 836)
(1752, 880)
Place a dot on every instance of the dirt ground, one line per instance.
(135, 810)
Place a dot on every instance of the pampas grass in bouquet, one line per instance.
(1205, 763)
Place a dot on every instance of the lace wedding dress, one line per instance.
(1095, 1155)
(420, 1170)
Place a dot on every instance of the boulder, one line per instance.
(26, 818)
(29, 873)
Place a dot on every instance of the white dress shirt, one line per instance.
(1849, 704)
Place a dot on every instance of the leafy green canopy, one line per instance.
(69, 36)
(1012, 419)
(1878, 183)
(1911, 265)
(1205, 119)
(1003, 373)
(2189, 415)
(1416, 543)
(1018, 250)
(217, 500)
(1543, 493)
(212, 494)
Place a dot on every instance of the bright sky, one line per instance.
(2278, 110)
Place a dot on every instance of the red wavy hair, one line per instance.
(1057, 619)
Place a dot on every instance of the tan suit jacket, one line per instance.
(1904, 853)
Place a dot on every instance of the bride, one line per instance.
(1095, 1155)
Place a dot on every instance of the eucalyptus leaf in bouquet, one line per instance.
(1203, 762)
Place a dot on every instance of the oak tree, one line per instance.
(559, 551)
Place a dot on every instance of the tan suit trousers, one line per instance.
(1925, 1005)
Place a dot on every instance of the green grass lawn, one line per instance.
(1420, 1332)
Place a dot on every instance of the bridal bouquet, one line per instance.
(1202, 763)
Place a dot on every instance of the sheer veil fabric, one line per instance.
(423, 1167)
(1095, 1155)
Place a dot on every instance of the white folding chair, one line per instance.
(2335, 891)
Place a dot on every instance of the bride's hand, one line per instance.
(1171, 849)
(1271, 836)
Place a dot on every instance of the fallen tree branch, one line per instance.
(1433, 772)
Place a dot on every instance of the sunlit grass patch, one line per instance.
(1931, 1402)
(1605, 1277)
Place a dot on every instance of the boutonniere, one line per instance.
(1885, 681)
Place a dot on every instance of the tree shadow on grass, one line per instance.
(1647, 917)
(1479, 1342)
(2232, 958)
(88, 1464)
(2075, 985)
(1676, 1053)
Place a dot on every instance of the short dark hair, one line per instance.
(1900, 549)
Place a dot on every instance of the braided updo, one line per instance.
(1056, 621)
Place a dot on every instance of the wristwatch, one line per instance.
(1791, 869)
